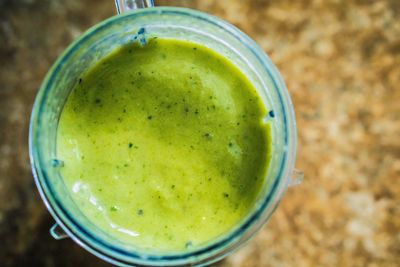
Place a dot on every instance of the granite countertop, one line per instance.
(341, 62)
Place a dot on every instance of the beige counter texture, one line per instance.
(341, 63)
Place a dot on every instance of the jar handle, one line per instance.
(57, 232)
(296, 177)
(127, 5)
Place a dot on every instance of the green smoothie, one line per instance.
(164, 145)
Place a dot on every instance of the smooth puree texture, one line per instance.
(164, 146)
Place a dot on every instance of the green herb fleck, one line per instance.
(208, 136)
(188, 244)
(114, 208)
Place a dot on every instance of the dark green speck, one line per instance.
(113, 208)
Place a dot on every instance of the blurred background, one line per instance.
(341, 63)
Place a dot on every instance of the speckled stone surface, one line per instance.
(341, 62)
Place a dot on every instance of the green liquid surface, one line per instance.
(164, 146)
